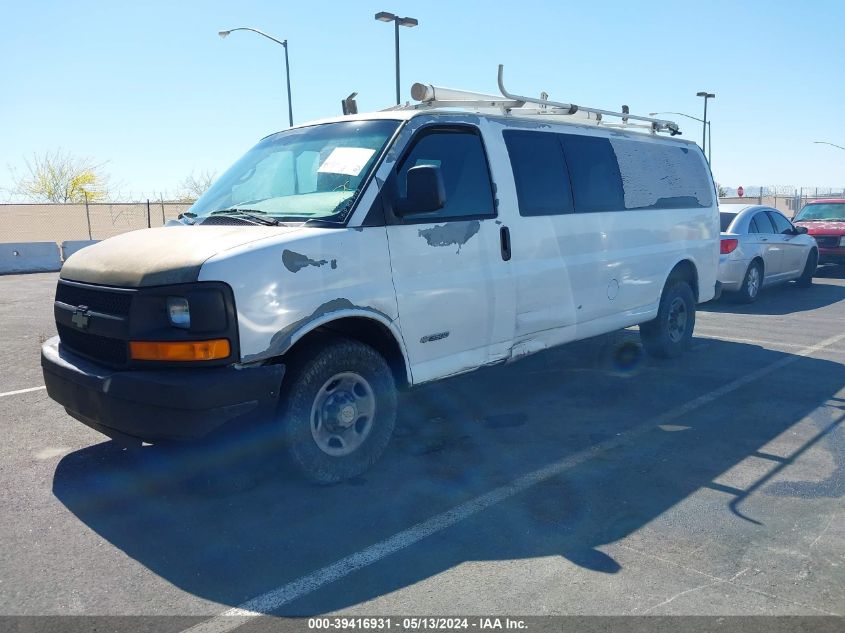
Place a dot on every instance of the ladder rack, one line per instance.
(509, 104)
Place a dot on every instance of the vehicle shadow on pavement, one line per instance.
(459, 439)
(830, 271)
(781, 300)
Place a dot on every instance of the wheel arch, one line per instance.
(684, 270)
(370, 328)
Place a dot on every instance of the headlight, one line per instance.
(179, 312)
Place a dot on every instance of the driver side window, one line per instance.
(459, 154)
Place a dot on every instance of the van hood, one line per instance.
(160, 256)
(827, 227)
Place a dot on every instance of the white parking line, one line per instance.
(752, 341)
(19, 391)
(276, 598)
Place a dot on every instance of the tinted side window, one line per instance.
(753, 227)
(764, 224)
(460, 156)
(540, 174)
(782, 225)
(596, 182)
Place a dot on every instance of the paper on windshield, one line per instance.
(346, 160)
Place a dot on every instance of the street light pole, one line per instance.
(384, 16)
(706, 95)
(396, 42)
(284, 43)
(709, 146)
(287, 78)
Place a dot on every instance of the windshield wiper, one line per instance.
(250, 214)
(309, 221)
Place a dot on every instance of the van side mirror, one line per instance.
(426, 192)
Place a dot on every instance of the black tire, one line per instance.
(750, 289)
(806, 278)
(307, 384)
(666, 336)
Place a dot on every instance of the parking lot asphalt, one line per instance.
(582, 480)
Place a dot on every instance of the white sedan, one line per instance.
(760, 247)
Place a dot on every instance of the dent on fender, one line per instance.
(282, 340)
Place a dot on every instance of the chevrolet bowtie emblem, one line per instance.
(81, 318)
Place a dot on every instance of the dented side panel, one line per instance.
(286, 287)
(583, 274)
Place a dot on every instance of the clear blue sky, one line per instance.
(150, 87)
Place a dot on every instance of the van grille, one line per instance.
(827, 241)
(98, 300)
(98, 348)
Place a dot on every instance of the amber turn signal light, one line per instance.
(179, 350)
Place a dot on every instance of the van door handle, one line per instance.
(505, 236)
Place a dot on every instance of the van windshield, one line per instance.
(312, 172)
(821, 212)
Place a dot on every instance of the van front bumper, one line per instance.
(832, 255)
(158, 404)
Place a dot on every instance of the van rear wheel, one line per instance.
(669, 335)
(339, 410)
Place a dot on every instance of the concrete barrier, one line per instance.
(29, 257)
(69, 247)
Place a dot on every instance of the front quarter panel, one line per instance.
(286, 287)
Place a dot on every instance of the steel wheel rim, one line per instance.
(753, 281)
(342, 414)
(677, 320)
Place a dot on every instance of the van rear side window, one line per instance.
(658, 175)
(540, 174)
(556, 174)
(596, 181)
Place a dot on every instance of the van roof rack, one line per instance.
(431, 97)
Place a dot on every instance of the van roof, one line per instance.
(521, 121)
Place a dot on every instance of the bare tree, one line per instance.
(194, 185)
(721, 191)
(61, 177)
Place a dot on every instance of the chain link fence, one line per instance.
(92, 221)
(788, 200)
(98, 221)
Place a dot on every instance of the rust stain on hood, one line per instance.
(155, 257)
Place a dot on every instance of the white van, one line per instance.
(340, 260)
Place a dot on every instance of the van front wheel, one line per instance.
(339, 410)
(669, 335)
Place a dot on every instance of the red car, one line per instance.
(825, 221)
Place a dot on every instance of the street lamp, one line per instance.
(694, 118)
(384, 16)
(831, 144)
(284, 43)
(706, 95)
